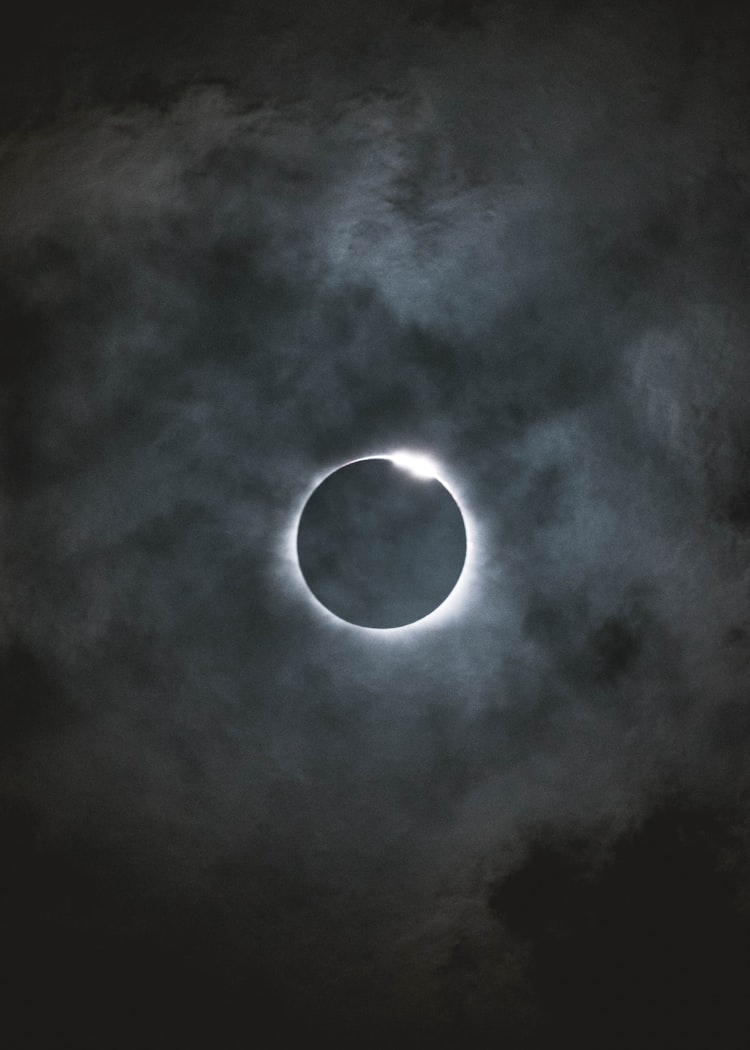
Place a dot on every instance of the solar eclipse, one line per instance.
(381, 541)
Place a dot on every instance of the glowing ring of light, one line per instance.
(421, 466)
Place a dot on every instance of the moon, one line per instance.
(381, 541)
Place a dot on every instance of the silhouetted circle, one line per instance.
(380, 547)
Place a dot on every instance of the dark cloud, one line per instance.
(650, 938)
(244, 246)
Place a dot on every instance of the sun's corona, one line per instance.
(418, 467)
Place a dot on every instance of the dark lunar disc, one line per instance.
(380, 547)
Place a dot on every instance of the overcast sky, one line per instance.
(239, 247)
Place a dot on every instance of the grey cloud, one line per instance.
(514, 245)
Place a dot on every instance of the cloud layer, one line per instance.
(514, 241)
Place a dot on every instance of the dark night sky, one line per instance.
(240, 245)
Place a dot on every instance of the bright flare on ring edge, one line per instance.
(419, 466)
